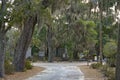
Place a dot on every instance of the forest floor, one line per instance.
(91, 74)
(24, 75)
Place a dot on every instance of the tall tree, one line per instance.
(29, 16)
(53, 6)
(118, 56)
(23, 43)
(50, 43)
(100, 30)
(117, 77)
(26, 35)
(3, 30)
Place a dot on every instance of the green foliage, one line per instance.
(8, 56)
(9, 69)
(104, 68)
(108, 72)
(80, 32)
(28, 65)
(96, 65)
(91, 32)
(70, 54)
(42, 34)
(35, 51)
(90, 24)
(36, 42)
(110, 50)
(86, 52)
(47, 16)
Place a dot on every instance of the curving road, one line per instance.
(58, 71)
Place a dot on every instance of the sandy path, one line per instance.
(58, 71)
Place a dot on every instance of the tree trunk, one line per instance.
(23, 43)
(100, 31)
(118, 57)
(75, 55)
(2, 54)
(100, 39)
(49, 41)
(117, 72)
(2, 36)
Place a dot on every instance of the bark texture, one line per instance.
(118, 58)
(49, 41)
(100, 31)
(117, 72)
(23, 43)
(2, 54)
(2, 36)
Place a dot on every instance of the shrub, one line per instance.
(104, 68)
(9, 69)
(109, 72)
(28, 64)
(111, 61)
(35, 58)
(96, 65)
(110, 50)
(29, 58)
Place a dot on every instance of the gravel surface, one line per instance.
(58, 71)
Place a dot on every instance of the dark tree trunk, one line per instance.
(118, 57)
(2, 37)
(75, 55)
(49, 42)
(97, 51)
(100, 30)
(23, 43)
(2, 53)
(46, 53)
(117, 73)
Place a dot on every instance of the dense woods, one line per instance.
(63, 29)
